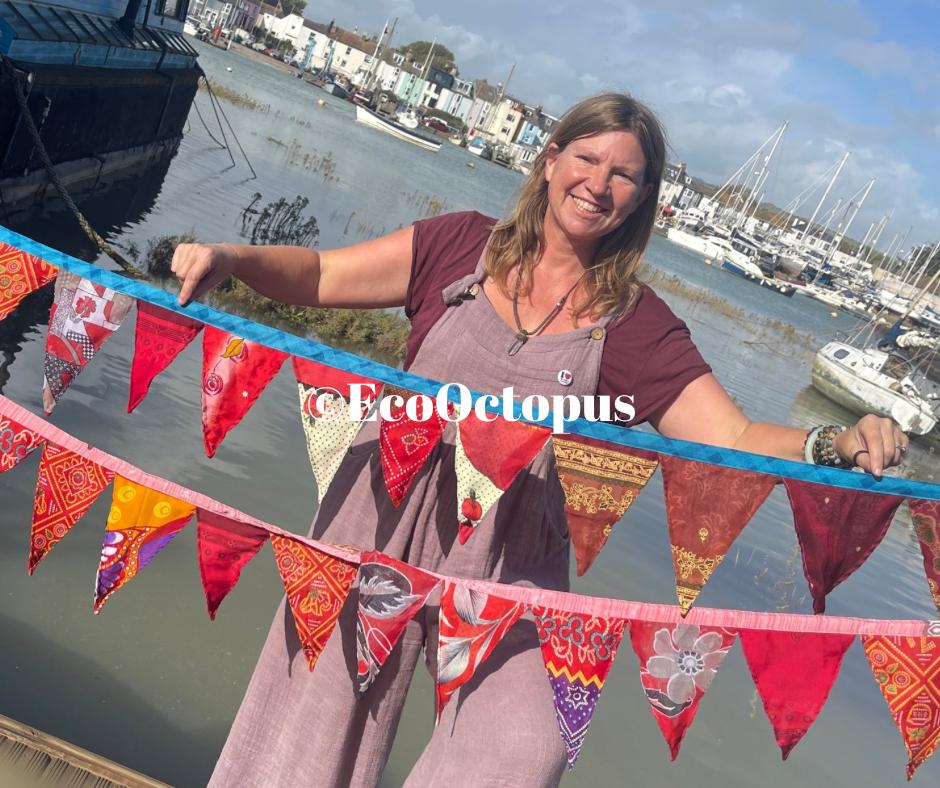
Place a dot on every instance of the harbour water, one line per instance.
(151, 683)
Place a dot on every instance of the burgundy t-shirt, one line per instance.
(649, 353)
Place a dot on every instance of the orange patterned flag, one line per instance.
(67, 486)
(707, 506)
(141, 523)
(317, 585)
(926, 518)
(20, 274)
(908, 674)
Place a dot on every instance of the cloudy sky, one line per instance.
(859, 76)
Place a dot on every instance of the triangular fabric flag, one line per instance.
(159, 337)
(490, 454)
(793, 672)
(678, 663)
(316, 585)
(326, 413)
(601, 481)
(390, 593)
(234, 373)
(16, 442)
(20, 275)
(471, 625)
(926, 518)
(82, 317)
(837, 529)
(140, 524)
(707, 506)
(66, 487)
(578, 651)
(225, 547)
(405, 445)
(907, 671)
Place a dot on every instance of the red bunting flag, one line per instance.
(908, 674)
(234, 373)
(471, 625)
(16, 442)
(578, 651)
(20, 275)
(67, 486)
(225, 547)
(678, 663)
(601, 480)
(405, 445)
(82, 317)
(316, 585)
(390, 593)
(707, 506)
(159, 337)
(793, 672)
(926, 518)
(837, 529)
(489, 456)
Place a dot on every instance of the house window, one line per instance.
(348, 50)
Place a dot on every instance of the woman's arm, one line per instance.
(370, 274)
(703, 412)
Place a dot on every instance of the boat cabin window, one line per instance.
(841, 353)
(175, 9)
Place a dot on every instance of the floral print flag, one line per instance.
(926, 518)
(908, 674)
(20, 275)
(678, 663)
(837, 529)
(16, 442)
(234, 373)
(471, 625)
(390, 593)
(405, 445)
(225, 546)
(600, 481)
(578, 651)
(316, 585)
(82, 317)
(793, 672)
(67, 485)
(707, 506)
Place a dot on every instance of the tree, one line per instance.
(443, 58)
(294, 6)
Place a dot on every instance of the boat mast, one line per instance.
(877, 236)
(752, 158)
(854, 208)
(762, 177)
(822, 199)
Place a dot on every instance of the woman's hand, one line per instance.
(874, 443)
(200, 267)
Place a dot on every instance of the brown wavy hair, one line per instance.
(517, 242)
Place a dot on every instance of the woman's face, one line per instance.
(594, 184)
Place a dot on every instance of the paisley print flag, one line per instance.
(317, 585)
(390, 593)
(578, 651)
(837, 529)
(926, 518)
(225, 547)
(907, 671)
(489, 456)
(678, 663)
(234, 373)
(471, 625)
(67, 485)
(140, 524)
(16, 442)
(707, 506)
(793, 672)
(601, 481)
(159, 337)
(20, 275)
(82, 317)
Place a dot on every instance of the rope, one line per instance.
(204, 124)
(218, 120)
(254, 175)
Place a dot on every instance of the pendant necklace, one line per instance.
(522, 335)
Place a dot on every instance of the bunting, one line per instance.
(316, 585)
(706, 507)
(82, 317)
(225, 546)
(140, 524)
(837, 530)
(16, 442)
(234, 373)
(405, 445)
(925, 516)
(390, 593)
(66, 487)
(578, 651)
(20, 275)
(159, 337)
(600, 481)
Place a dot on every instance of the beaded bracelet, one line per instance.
(818, 448)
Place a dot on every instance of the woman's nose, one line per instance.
(598, 183)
